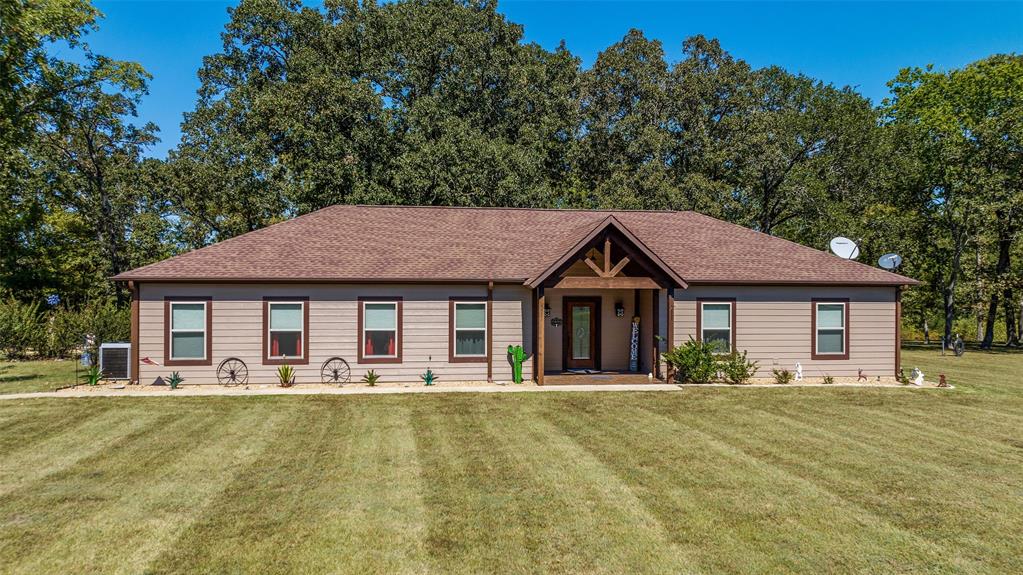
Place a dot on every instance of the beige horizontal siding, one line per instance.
(773, 324)
(238, 323)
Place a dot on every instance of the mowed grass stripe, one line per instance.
(610, 529)
(760, 496)
(147, 518)
(480, 505)
(55, 452)
(370, 514)
(28, 421)
(914, 492)
(39, 513)
(329, 493)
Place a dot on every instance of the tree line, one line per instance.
(442, 102)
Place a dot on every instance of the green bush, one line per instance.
(828, 380)
(782, 376)
(693, 362)
(736, 368)
(26, 329)
(22, 328)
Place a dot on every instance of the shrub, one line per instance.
(736, 368)
(828, 380)
(286, 375)
(21, 325)
(92, 376)
(692, 361)
(429, 378)
(371, 378)
(782, 376)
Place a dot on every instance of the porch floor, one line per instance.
(602, 378)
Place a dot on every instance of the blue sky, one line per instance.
(862, 44)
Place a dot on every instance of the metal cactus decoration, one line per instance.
(518, 356)
(429, 377)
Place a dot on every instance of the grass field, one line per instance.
(808, 480)
(31, 376)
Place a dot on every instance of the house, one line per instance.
(402, 289)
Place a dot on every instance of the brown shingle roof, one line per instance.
(390, 243)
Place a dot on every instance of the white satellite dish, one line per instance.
(845, 248)
(890, 261)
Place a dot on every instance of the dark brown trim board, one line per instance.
(452, 358)
(541, 324)
(671, 330)
(135, 292)
(699, 316)
(358, 336)
(490, 332)
(898, 329)
(167, 301)
(267, 360)
(813, 330)
(595, 334)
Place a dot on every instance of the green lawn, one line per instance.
(29, 376)
(810, 480)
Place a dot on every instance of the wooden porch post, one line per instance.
(671, 330)
(539, 327)
(655, 326)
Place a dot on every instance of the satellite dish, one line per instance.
(845, 248)
(890, 261)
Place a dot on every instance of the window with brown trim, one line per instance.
(830, 329)
(188, 330)
(380, 330)
(467, 330)
(715, 323)
(285, 330)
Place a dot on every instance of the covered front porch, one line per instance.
(604, 312)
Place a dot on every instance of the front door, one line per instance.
(582, 333)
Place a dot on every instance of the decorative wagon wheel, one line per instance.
(336, 371)
(232, 371)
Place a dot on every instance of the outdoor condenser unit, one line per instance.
(113, 360)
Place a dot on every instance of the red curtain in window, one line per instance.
(369, 347)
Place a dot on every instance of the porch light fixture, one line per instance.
(546, 310)
(619, 309)
(556, 321)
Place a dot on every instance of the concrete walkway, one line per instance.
(255, 391)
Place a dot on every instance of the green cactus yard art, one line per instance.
(518, 356)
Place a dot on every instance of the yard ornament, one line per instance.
(518, 356)
(799, 371)
(918, 376)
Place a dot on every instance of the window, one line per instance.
(285, 330)
(187, 326)
(380, 330)
(188, 330)
(716, 323)
(468, 336)
(831, 333)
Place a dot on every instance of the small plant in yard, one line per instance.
(782, 376)
(429, 377)
(692, 361)
(174, 380)
(736, 368)
(828, 380)
(286, 375)
(92, 375)
(371, 378)
(902, 377)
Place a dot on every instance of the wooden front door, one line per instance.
(581, 347)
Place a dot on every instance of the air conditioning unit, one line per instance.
(114, 360)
